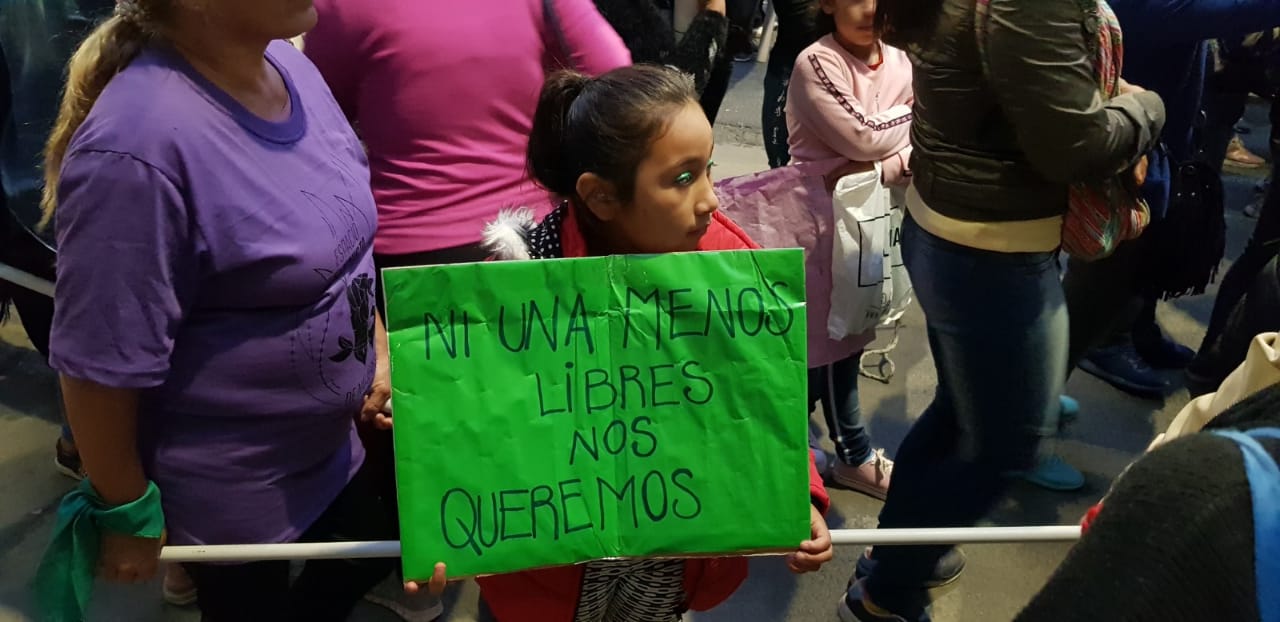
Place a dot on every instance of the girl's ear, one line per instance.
(828, 6)
(600, 196)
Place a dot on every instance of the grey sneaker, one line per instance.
(853, 608)
(421, 607)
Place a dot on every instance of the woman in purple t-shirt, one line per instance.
(215, 325)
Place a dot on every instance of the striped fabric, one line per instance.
(643, 590)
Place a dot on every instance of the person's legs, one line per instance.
(254, 592)
(1157, 349)
(1242, 273)
(836, 387)
(859, 467)
(773, 116)
(1258, 311)
(717, 87)
(326, 591)
(329, 589)
(997, 328)
(1224, 105)
(795, 32)
(1101, 298)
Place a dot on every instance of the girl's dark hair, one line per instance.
(824, 23)
(904, 22)
(602, 125)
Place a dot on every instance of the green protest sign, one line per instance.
(553, 412)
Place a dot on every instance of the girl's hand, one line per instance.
(844, 170)
(128, 559)
(815, 551)
(1130, 89)
(377, 401)
(436, 585)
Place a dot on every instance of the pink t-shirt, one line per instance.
(837, 107)
(443, 95)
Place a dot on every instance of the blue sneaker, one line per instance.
(1121, 367)
(1070, 410)
(852, 608)
(1054, 473)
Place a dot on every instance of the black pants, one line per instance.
(327, 590)
(740, 13)
(1259, 250)
(1102, 297)
(795, 32)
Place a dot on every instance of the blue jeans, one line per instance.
(997, 325)
(836, 387)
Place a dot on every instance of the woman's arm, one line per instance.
(702, 44)
(1191, 21)
(1042, 75)
(127, 270)
(104, 421)
(822, 100)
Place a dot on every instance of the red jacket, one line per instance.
(551, 594)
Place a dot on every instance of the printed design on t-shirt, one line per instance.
(644, 590)
(338, 332)
(848, 107)
(360, 297)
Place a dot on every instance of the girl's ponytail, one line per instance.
(550, 159)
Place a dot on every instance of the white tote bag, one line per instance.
(870, 286)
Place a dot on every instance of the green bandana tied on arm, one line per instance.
(64, 581)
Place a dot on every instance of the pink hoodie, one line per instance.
(837, 106)
(443, 95)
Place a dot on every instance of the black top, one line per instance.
(647, 31)
(37, 38)
(1174, 539)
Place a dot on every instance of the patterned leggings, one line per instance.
(646, 590)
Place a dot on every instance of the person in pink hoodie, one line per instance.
(850, 97)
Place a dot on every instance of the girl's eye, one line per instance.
(684, 179)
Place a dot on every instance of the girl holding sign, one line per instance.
(630, 152)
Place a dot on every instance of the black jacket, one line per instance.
(1174, 540)
(647, 31)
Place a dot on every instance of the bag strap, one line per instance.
(551, 20)
(981, 20)
(1264, 485)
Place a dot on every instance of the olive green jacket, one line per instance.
(1002, 143)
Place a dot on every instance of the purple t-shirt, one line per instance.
(222, 264)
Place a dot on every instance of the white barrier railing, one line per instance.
(842, 537)
(26, 279)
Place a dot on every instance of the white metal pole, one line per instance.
(295, 550)
(26, 279)
(959, 535)
(842, 537)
